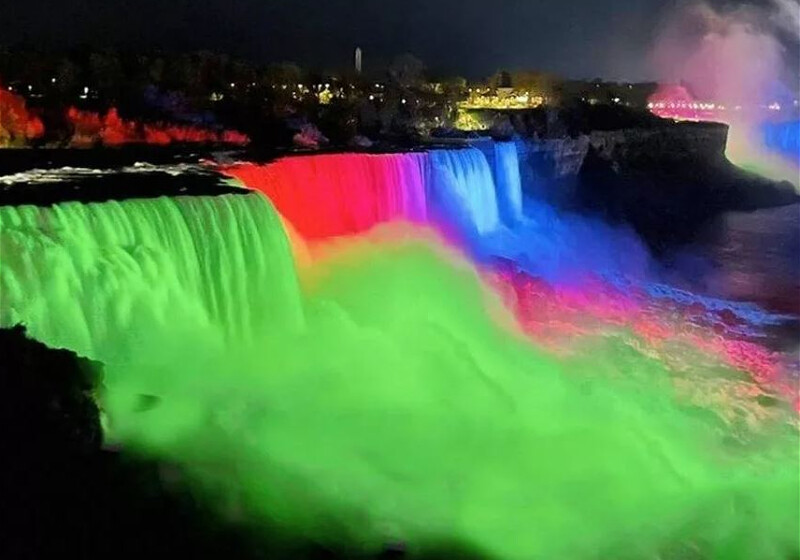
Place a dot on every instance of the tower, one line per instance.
(358, 60)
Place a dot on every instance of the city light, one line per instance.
(486, 99)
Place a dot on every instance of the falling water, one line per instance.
(783, 138)
(507, 182)
(380, 402)
(83, 276)
(462, 190)
(465, 192)
(341, 194)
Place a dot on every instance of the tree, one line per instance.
(67, 77)
(242, 73)
(454, 88)
(537, 83)
(17, 125)
(407, 71)
(501, 79)
(287, 73)
(106, 71)
(155, 70)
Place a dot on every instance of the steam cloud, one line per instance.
(738, 57)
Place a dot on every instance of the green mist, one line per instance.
(384, 398)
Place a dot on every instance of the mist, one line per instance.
(740, 58)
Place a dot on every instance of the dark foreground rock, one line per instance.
(667, 180)
(65, 496)
(668, 195)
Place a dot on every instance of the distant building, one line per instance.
(358, 60)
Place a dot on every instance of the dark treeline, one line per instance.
(210, 88)
(65, 494)
(270, 102)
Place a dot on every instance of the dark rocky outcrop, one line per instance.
(115, 185)
(15, 161)
(63, 495)
(49, 176)
(51, 437)
(667, 181)
(549, 168)
(644, 148)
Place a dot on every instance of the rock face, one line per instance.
(669, 183)
(64, 496)
(51, 435)
(644, 148)
(549, 168)
(624, 149)
(49, 398)
(555, 158)
(667, 180)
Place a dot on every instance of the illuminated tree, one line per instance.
(536, 83)
(17, 125)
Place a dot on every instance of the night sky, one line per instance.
(473, 38)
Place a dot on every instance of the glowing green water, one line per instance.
(388, 405)
(98, 277)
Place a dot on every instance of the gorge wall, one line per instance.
(629, 148)
(675, 143)
(665, 180)
(342, 401)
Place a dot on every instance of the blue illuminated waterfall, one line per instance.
(462, 190)
(507, 182)
(784, 138)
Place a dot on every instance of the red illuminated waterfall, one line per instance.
(341, 194)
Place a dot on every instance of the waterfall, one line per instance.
(469, 192)
(82, 275)
(507, 181)
(341, 194)
(462, 190)
(344, 194)
(398, 409)
(784, 138)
